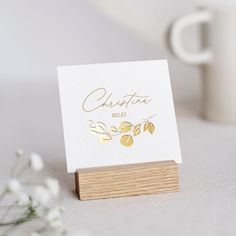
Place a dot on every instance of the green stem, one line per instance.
(7, 223)
(16, 222)
(26, 216)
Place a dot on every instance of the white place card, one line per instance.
(118, 113)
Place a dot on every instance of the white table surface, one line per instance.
(206, 204)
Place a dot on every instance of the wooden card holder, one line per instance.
(127, 180)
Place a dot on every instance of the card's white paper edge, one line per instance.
(172, 101)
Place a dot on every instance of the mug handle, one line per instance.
(175, 38)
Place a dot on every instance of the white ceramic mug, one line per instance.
(217, 59)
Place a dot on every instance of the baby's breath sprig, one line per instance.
(30, 204)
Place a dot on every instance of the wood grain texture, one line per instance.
(127, 180)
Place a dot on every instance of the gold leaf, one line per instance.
(101, 127)
(104, 138)
(114, 130)
(125, 126)
(146, 125)
(93, 131)
(126, 140)
(151, 127)
(137, 129)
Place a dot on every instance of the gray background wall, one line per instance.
(36, 36)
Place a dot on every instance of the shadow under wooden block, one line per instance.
(127, 180)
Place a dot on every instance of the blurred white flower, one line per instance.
(35, 162)
(19, 152)
(23, 199)
(57, 225)
(52, 186)
(53, 214)
(14, 186)
(41, 195)
(35, 234)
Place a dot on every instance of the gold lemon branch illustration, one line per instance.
(125, 130)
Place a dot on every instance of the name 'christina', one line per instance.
(100, 98)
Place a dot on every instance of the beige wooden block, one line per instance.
(127, 180)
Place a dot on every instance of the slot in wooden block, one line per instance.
(127, 180)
